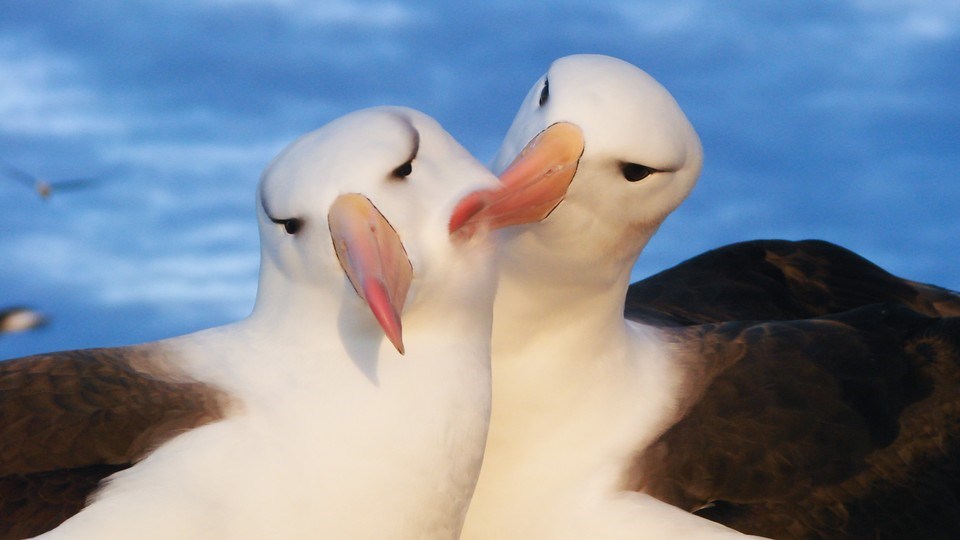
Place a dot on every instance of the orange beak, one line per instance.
(372, 256)
(532, 186)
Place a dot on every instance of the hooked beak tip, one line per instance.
(377, 295)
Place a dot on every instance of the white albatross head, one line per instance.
(365, 218)
(641, 158)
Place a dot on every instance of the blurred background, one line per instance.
(832, 119)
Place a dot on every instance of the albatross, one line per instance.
(782, 389)
(352, 403)
(45, 188)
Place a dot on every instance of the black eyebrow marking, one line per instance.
(406, 167)
(291, 225)
(414, 136)
(416, 144)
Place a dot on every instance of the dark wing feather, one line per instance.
(32, 504)
(17, 174)
(73, 183)
(846, 426)
(776, 280)
(68, 420)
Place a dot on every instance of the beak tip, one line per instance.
(465, 211)
(394, 333)
(396, 339)
(385, 311)
(531, 187)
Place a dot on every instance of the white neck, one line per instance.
(527, 308)
(577, 390)
(560, 346)
(557, 289)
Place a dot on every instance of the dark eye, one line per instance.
(403, 171)
(545, 93)
(634, 172)
(291, 225)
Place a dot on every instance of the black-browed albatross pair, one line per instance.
(300, 421)
(785, 389)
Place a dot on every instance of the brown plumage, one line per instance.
(70, 419)
(824, 396)
(777, 280)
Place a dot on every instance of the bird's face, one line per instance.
(363, 206)
(641, 157)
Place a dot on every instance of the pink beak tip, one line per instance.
(377, 297)
(466, 210)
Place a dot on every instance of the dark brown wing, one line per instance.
(846, 426)
(35, 503)
(69, 419)
(776, 280)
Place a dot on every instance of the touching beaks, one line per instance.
(531, 187)
(373, 257)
